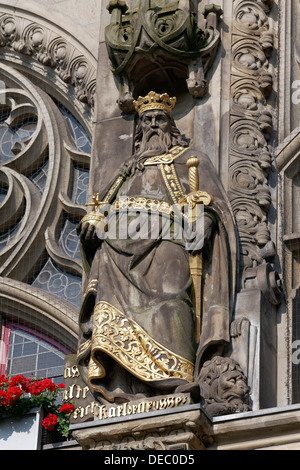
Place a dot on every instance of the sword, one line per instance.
(195, 260)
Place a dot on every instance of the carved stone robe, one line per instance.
(137, 317)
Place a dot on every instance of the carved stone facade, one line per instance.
(43, 45)
(251, 129)
(66, 108)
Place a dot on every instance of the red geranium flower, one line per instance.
(35, 388)
(11, 396)
(47, 384)
(67, 408)
(3, 380)
(49, 422)
(20, 380)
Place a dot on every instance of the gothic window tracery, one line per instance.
(44, 180)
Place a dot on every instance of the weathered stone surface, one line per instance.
(184, 430)
(273, 429)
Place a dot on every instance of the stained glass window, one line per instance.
(69, 241)
(12, 139)
(81, 185)
(29, 355)
(63, 285)
(80, 137)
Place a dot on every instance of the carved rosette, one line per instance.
(43, 45)
(251, 128)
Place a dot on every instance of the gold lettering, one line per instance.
(78, 391)
(112, 412)
(71, 372)
(75, 372)
(148, 406)
(141, 407)
(163, 403)
(67, 373)
(95, 408)
(170, 402)
(134, 409)
(102, 412)
(71, 390)
(78, 411)
(155, 406)
(178, 400)
(120, 410)
(75, 413)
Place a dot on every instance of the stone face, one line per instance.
(223, 387)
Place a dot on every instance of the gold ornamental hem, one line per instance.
(129, 345)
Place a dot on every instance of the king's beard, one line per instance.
(154, 142)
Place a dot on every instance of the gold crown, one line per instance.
(154, 101)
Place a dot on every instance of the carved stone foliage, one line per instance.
(39, 43)
(161, 43)
(43, 184)
(251, 127)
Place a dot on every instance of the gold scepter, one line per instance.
(195, 260)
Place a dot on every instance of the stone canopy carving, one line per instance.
(161, 44)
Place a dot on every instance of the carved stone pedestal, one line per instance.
(187, 429)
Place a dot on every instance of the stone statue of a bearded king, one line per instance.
(139, 333)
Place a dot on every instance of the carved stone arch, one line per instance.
(29, 306)
(60, 63)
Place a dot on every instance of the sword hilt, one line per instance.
(192, 165)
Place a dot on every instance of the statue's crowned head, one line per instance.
(154, 101)
(156, 131)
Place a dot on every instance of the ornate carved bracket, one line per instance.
(161, 44)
